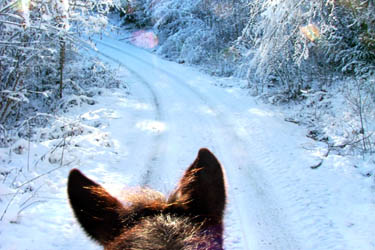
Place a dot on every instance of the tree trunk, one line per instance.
(62, 61)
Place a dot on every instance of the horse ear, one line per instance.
(96, 210)
(202, 188)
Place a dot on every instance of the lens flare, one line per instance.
(144, 39)
(23, 6)
(310, 31)
(151, 126)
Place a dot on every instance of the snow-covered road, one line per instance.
(191, 117)
(275, 200)
(191, 113)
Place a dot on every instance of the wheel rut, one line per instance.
(159, 138)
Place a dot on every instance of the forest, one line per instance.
(318, 55)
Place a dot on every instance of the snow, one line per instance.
(148, 137)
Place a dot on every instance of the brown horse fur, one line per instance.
(190, 218)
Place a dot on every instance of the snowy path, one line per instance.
(275, 200)
(196, 114)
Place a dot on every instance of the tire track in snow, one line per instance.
(273, 236)
(154, 154)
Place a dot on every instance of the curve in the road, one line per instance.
(269, 218)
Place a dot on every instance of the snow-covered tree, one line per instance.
(38, 41)
(351, 38)
(295, 45)
(195, 31)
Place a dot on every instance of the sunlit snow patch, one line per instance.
(207, 110)
(138, 105)
(151, 126)
(260, 112)
(144, 39)
(100, 113)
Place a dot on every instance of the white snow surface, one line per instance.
(276, 201)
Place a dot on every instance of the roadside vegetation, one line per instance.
(42, 69)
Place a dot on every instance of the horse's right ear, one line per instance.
(202, 188)
(97, 211)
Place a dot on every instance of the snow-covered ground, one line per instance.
(148, 137)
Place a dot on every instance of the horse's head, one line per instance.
(190, 218)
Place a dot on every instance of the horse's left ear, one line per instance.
(97, 211)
